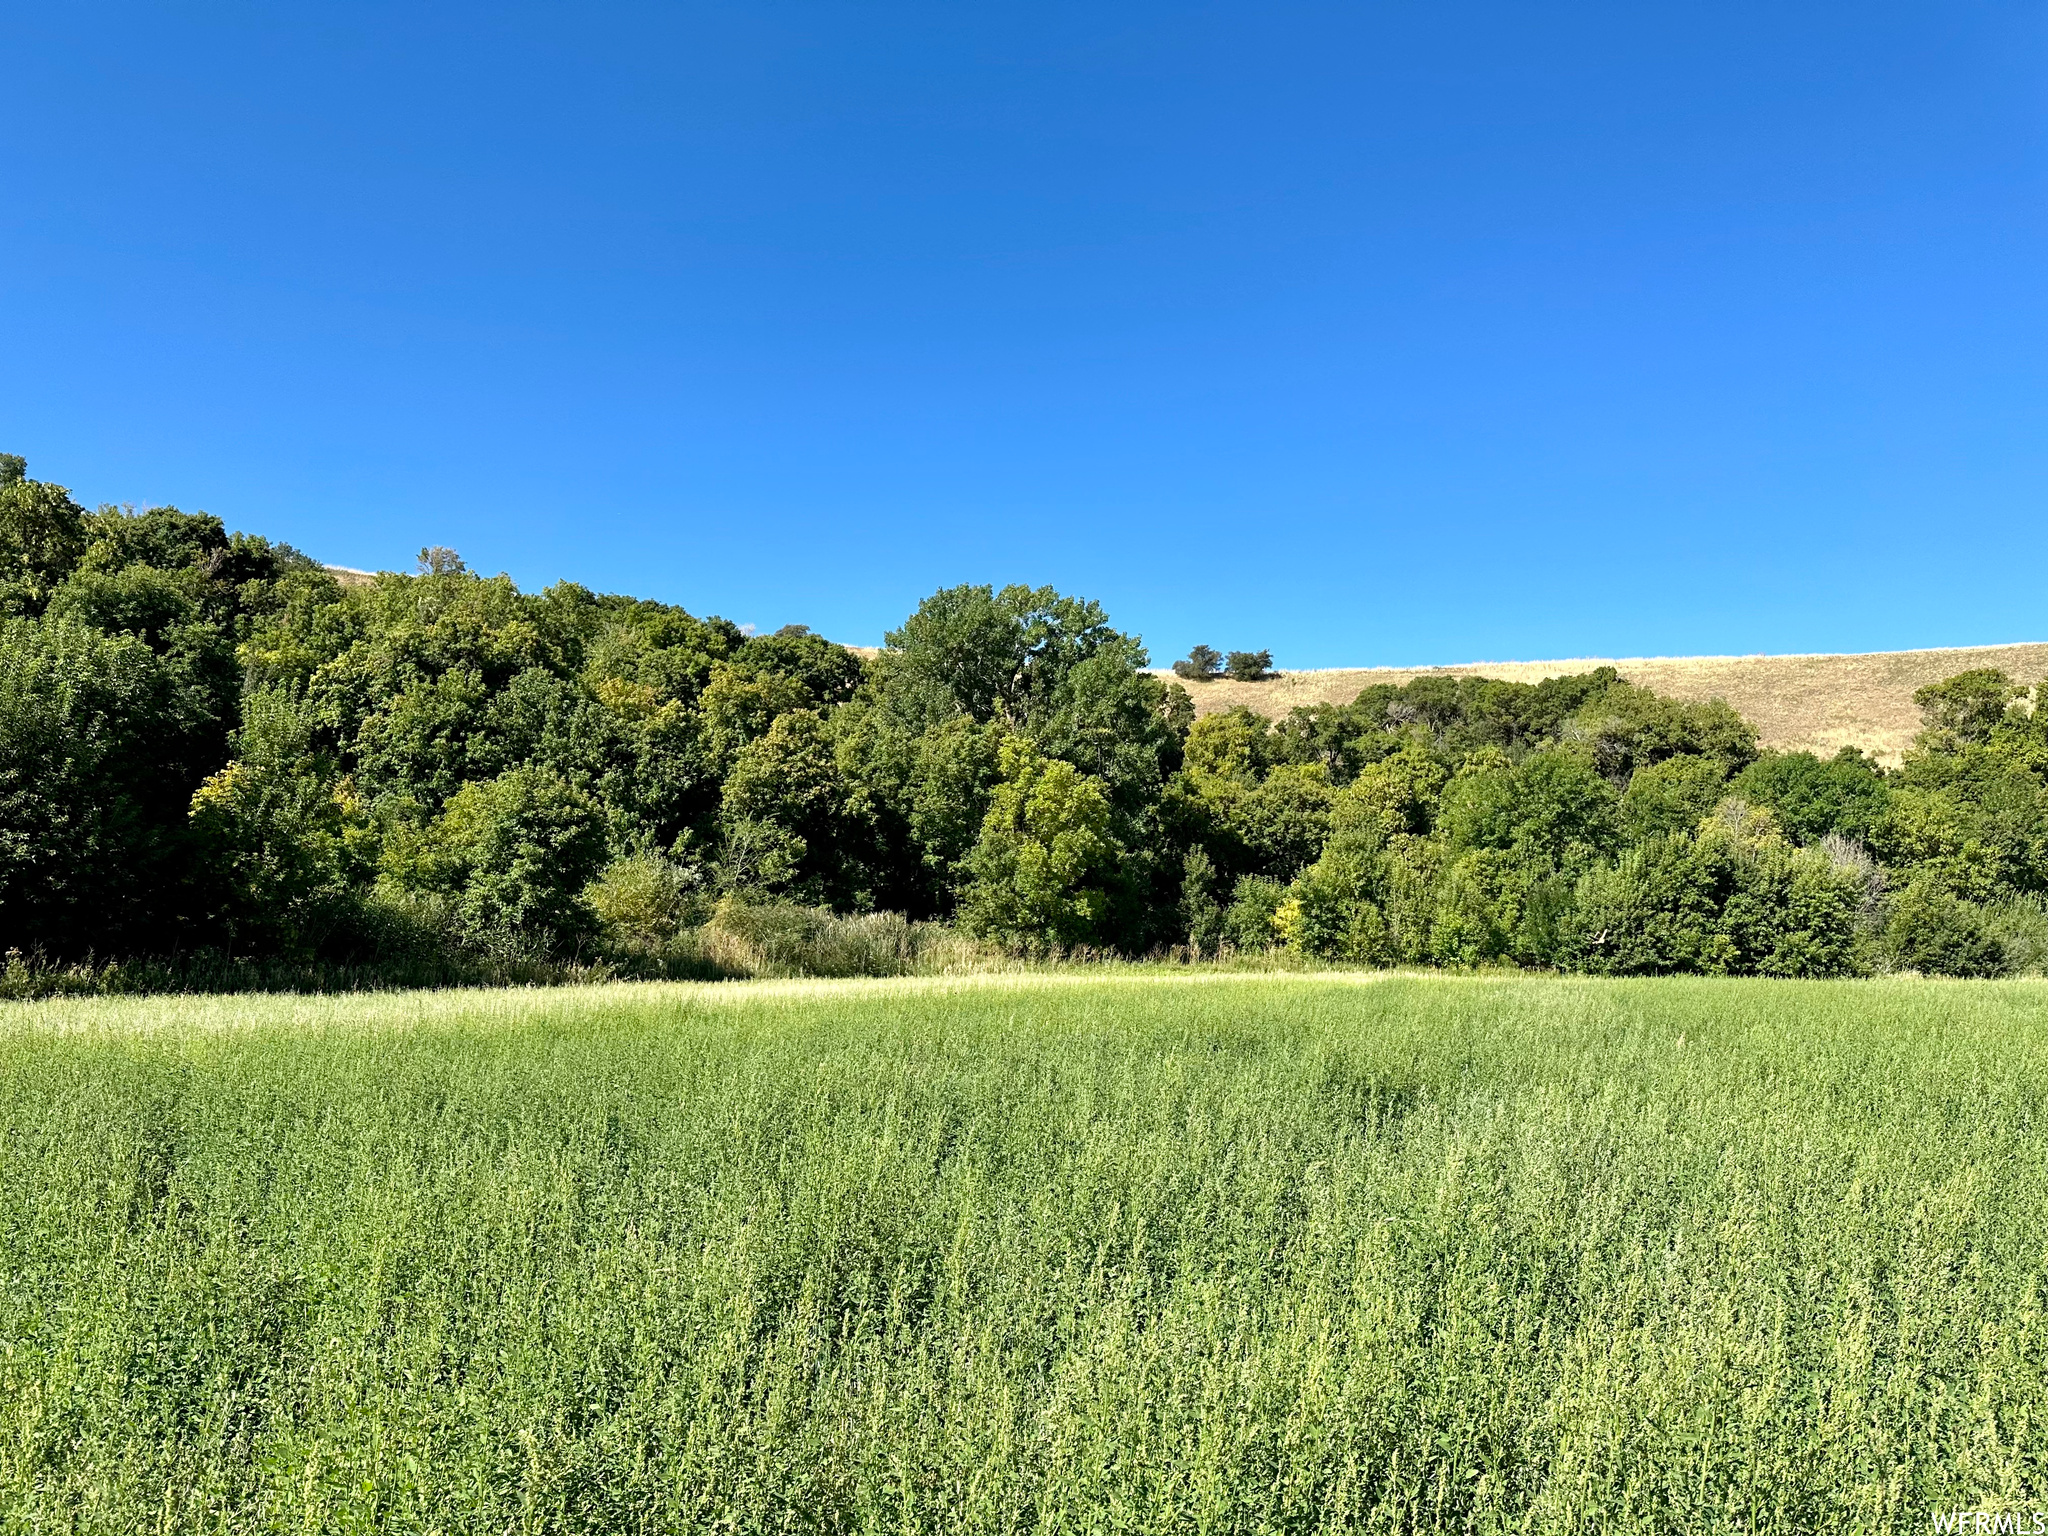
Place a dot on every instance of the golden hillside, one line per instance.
(1797, 703)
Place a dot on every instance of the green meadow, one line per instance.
(1089, 1252)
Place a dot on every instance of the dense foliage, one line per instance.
(210, 745)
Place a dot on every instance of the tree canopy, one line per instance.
(209, 743)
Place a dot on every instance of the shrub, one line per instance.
(1248, 923)
(1249, 666)
(644, 900)
(1970, 705)
(1042, 872)
(513, 855)
(1201, 665)
(781, 938)
(1201, 913)
(1846, 794)
(1935, 932)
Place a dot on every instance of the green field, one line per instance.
(1046, 1253)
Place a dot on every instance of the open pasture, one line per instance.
(1066, 1252)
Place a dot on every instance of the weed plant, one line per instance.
(1054, 1252)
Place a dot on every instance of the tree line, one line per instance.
(211, 746)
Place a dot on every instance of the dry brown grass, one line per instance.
(1797, 703)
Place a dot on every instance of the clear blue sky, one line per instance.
(1369, 333)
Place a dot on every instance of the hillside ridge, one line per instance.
(1815, 702)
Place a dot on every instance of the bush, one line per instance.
(1939, 934)
(644, 901)
(1201, 914)
(513, 855)
(1201, 666)
(1672, 796)
(1042, 872)
(1845, 795)
(1249, 666)
(780, 938)
(1248, 923)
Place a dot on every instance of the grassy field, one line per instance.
(1045, 1253)
(1797, 703)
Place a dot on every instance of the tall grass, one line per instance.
(739, 939)
(782, 939)
(1049, 1252)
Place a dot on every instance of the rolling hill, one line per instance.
(1797, 703)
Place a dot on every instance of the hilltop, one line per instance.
(1797, 703)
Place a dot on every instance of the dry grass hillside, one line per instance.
(1797, 703)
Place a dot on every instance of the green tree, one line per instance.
(284, 850)
(1624, 728)
(1970, 706)
(954, 770)
(1248, 921)
(42, 535)
(1675, 795)
(512, 857)
(1847, 794)
(993, 656)
(1201, 914)
(1552, 809)
(1930, 929)
(1338, 907)
(785, 788)
(102, 743)
(1043, 873)
(1733, 897)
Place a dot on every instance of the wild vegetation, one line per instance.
(1063, 1252)
(1205, 664)
(1810, 703)
(221, 766)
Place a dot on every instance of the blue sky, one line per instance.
(1367, 333)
